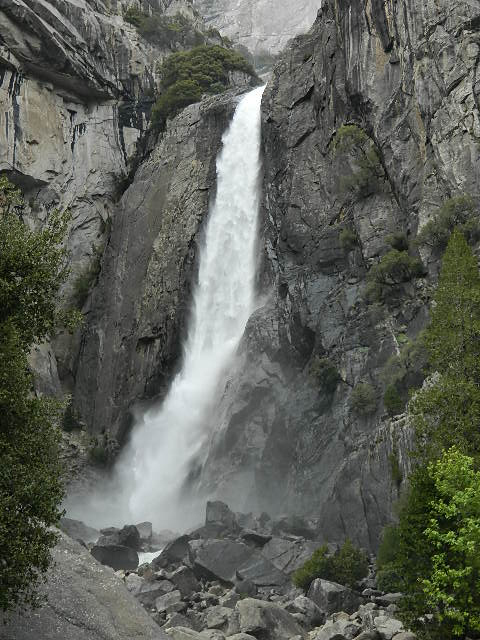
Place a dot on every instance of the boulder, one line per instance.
(266, 620)
(308, 609)
(217, 617)
(226, 560)
(387, 627)
(331, 597)
(220, 559)
(241, 636)
(185, 581)
(153, 589)
(245, 587)
(341, 629)
(405, 635)
(388, 598)
(145, 531)
(175, 551)
(256, 538)
(183, 633)
(289, 555)
(116, 556)
(230, 599)
(85, 601)
(293, 525)
(126, 537)
(261, 572)
(170, 602)
(78, 530)
(219, 515)
(369, 635)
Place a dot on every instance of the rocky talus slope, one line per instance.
(406, 74)
(231, 578)
(260, 25)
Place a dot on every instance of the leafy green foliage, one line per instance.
(388, 578)
(395, 268)
(398, 241)
(347, 566)
(452, 589)
(348, 239)
(32, 267)
(363, 401)
(459, 212)
(325, 374)
(165, 31)
(368, 175)
(187, 75)
(447, 412)
(394, 404)
(437, 539)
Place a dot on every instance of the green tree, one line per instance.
(452, 588)
(363, 401)
(435, 559)
(32, 267)
(447, 411)
(187, 75)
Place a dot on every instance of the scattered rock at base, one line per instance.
(331, 597)
(267, 620)
(86, 601)
(175, 551)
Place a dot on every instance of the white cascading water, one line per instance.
(157, 461)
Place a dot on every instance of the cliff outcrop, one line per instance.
(405, 76)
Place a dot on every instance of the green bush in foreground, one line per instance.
(32, 267)
(187, 75)
(347, 566)
(395, 268)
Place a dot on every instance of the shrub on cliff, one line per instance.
(367, 175)
(32, 268)
(460, 212)
(325, 374)
(348, 239)
(395, 268)
(347, 566)
(187, 75)
(363, 401)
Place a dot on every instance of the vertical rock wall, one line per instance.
(407, 74)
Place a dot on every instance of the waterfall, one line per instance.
(152, 470)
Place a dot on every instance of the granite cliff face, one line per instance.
(75, 90)
(132, 339)
(260, 25)
(406, 73)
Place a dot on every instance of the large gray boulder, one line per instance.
(219, 515)
(289, 555)
(177, 550)
(116, 556)
(86, 601)
(266, 620)
(230, 561)
(128, 536)
(331, 597)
